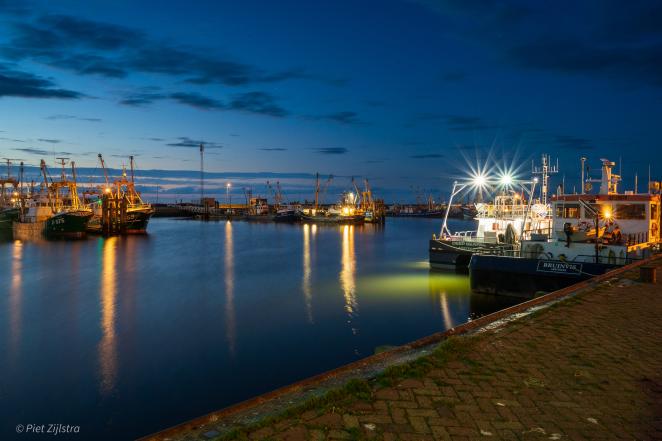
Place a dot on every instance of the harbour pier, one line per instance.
(580, 363)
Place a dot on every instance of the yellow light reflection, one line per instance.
(305, 284)
(230, 329)
(15, 296)
(108, 345)
(348, 272)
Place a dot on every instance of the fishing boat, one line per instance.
(374, 210)
(9, 199)
(591, 234)
(502, 223)
(56, 211)
(287, 214)
(134, 213)
(346, 211)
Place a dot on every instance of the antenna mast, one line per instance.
(317, 190)
(202, 171)
(131, 160)
(545, 170)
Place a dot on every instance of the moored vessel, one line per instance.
(118, 207)
(501, 224)
(591, 234)
(56, 211)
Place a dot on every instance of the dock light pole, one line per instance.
(227, 195)
(457, 187)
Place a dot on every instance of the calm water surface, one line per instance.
(125, 336)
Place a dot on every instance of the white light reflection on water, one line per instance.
(230, 325)
(15, 295)
(308, 233)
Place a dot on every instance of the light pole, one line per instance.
(227, 196)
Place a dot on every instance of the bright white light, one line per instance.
(506, 179)
(479, 180)
(535, 180)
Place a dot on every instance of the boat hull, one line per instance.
(447, 253)
(137, 221)
(7, 217)
(523, 277)
(72, 224)
(357, 219)
(288, 216)
(443, 255)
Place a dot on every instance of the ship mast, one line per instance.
(73, 189)
(317, 189)
(42, 165)
(105, 172)
(131, 161)
(545, 170)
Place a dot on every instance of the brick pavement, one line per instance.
(586, 368)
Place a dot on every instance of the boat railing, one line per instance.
(635, 238)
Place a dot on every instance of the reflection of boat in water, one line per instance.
(56, 210)
(627, 225)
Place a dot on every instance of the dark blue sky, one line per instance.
(401, 92)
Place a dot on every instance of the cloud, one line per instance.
(344, 117)
(252, 102)
(36, 151)
(622, 42)
(50, 141)
(74, 117)
(184, 141)
(332, 150)
(26, 85)
(427, 156)
(142, 97)
(257, 102)
(12, 139)
(573, 56)
(462, 123)
(273, 149)
(198, 101)
(572, 142)
(454, 122)
(95, 48)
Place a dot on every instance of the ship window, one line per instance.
(630, 211)
(567, 211)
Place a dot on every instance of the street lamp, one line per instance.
(227, 195)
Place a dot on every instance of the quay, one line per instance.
(581, 363)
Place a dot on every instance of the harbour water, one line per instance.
(129, 335)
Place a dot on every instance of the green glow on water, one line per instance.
(413, 284)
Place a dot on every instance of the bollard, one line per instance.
(648, 274)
